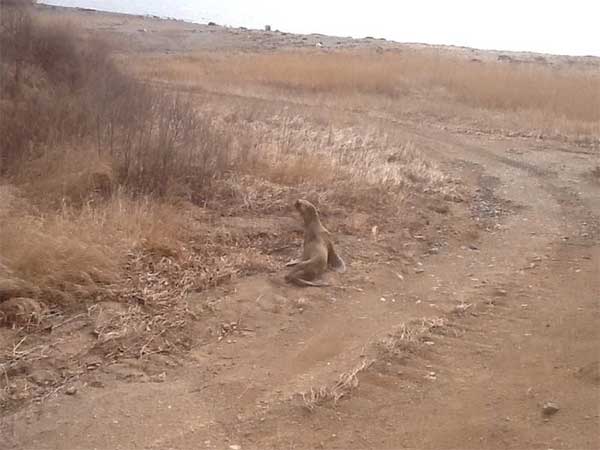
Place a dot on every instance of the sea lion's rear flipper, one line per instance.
(335, 261)
(302, 282)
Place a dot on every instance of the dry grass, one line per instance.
(345, 166)
(559, 99)
(124, 249)
(409, 337)
(76, 254)
(346, 383)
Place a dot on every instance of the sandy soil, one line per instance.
(458, 331)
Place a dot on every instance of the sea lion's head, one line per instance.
(307, 210)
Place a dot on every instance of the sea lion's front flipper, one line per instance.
(293, 262)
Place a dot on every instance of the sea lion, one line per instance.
(318, 253)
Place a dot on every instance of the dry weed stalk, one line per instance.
(409, 336)
(346, 383)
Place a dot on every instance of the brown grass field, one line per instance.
(541, 98)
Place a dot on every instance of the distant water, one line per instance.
(542, 26)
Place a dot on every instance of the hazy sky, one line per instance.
(551, 26)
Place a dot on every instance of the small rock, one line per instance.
(302, 301)
(550, 408)
(419, 270)
(235, 447)
(71, 390)
(160, 378)
(44, 377)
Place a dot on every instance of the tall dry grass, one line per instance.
(75, 255)
(567, 99)
(355, 167)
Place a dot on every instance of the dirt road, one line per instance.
(457, 346)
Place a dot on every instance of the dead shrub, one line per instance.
(67, 175)
(157, 140)
(51, 72)
(71, 94)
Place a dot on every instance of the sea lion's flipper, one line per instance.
(303, 272)
(302, 282)
(293, 262)
(335, 261)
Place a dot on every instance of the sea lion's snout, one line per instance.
(298, 205)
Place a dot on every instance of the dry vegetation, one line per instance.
(407, 339)
(532, 96)
(346, 383)
(112, 193)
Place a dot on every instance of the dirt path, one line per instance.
(511, 322)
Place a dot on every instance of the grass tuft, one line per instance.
(346, 383)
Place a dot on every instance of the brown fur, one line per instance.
(318, 252)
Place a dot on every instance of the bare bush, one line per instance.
(72, 95)
(157, 140)
(42, 104)
(16, 30)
